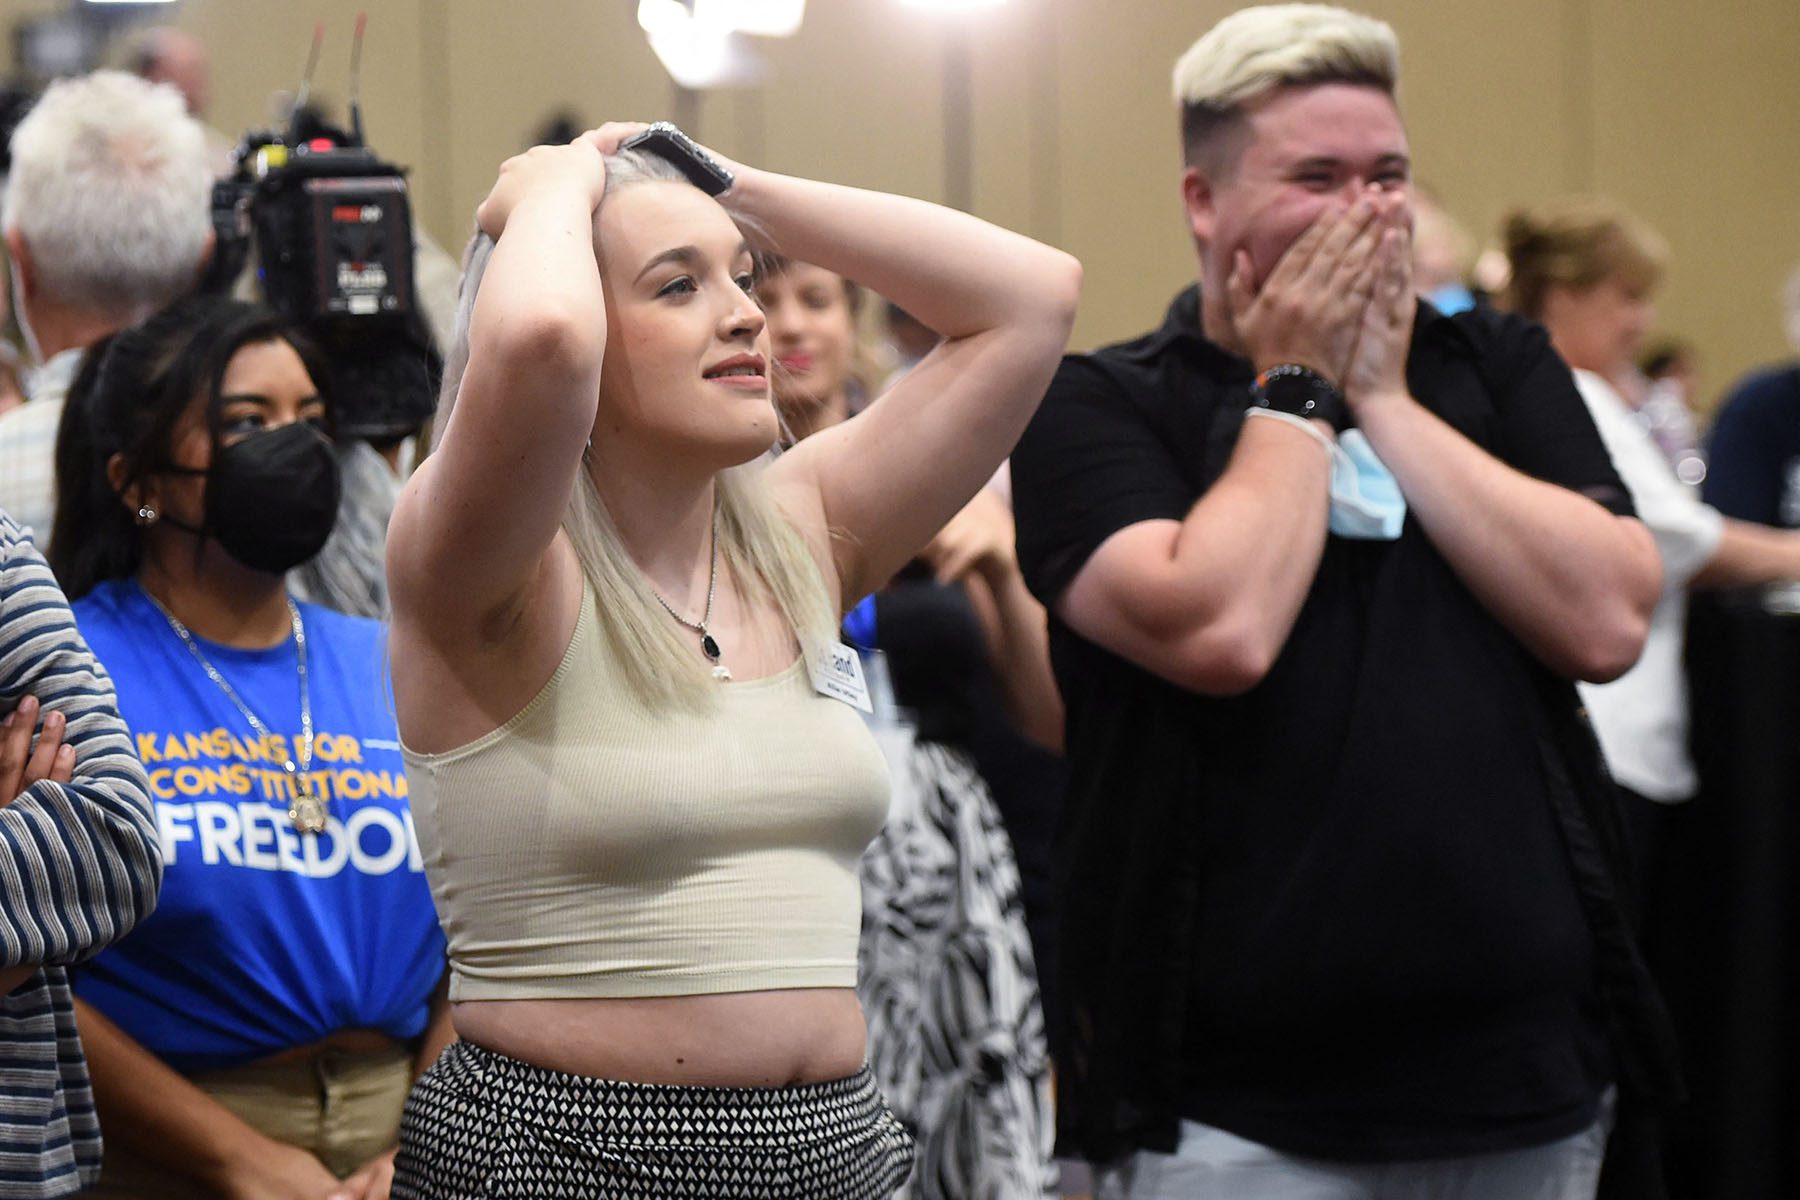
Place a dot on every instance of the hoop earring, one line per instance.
(146, 515)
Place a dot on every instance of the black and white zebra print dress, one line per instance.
(956, 1031)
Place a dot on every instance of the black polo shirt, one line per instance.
(1336, 914)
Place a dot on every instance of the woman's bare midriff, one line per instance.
(733, 1039)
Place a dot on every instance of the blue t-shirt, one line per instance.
(265, 938)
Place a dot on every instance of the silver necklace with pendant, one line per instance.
(709, 645)
(305, 809)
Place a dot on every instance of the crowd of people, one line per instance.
(728, 759)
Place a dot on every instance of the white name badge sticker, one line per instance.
(839, 674)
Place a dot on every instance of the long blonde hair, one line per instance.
(758, 544)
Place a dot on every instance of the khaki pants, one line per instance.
(345, 1108)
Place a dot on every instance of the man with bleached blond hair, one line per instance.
(1339, 901)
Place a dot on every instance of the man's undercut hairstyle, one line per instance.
(1256, 51)
(111, 190)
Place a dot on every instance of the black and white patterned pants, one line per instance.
(482, 1126)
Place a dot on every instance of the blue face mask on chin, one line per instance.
(1366, 503)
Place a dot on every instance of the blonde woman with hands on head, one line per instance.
(640, 783)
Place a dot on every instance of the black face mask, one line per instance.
(272, 499)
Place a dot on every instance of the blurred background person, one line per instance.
(1753, 468)
(948, 978)
(79, 866)
(164, 54)
(1594, 269)
(824, 370)
(907, 339)
(1586, 268)
(1672, 361)
(258, 1036)
(1670, 371)
(1443, 254)
(106, 219)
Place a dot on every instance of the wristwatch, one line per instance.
(1302, 391)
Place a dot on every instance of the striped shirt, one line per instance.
(79, 866)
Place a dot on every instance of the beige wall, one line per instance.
(1689, 118)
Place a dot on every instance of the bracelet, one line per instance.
(1330, 447)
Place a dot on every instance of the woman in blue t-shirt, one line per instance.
(258, 1034)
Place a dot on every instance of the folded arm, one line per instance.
(79, 860)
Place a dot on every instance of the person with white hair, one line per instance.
(107, 219)
(1753, 467)
(1340, 899)
(164, 54)
(1443, 255)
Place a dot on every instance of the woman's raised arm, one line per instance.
(888, 480)
(478, 516)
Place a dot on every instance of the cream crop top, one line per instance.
(589, 848)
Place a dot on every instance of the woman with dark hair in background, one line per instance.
(641, 786)
(256, 1037)
(950, 976)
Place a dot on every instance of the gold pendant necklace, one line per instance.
(305, 809)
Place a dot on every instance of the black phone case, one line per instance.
(676, 148)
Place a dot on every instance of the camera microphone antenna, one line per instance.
(329, 223)
(312, 63)
(356, 120)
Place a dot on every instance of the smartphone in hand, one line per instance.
(671, 145)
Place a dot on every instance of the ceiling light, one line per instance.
(662, 16)
(954, 6)
(701, 46)
(760, 18)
